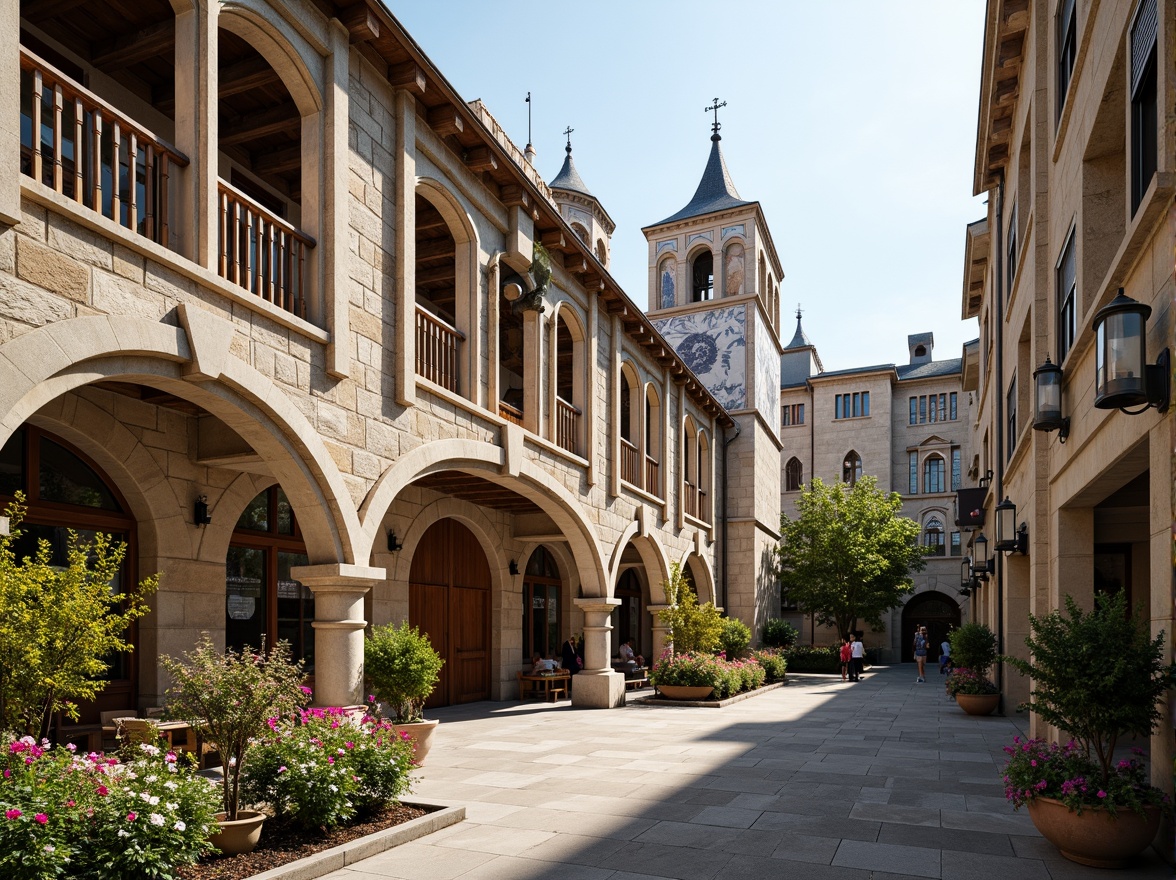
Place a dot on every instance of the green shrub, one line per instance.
(693, 627)
(401, 669)
(973, 646)
(814, 658)
(725, 677)
(773, 661)
(735, 638)
(778, 633)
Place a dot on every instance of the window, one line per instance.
(262, 600)
(955, 470)
(541, 606)
(952, 406)
(955, 544)
(1067, 49)
(793, 475)
(1144, 120)
(913, 473)
(943, 407)
(1011, 417)
(914, 410)
(1011, 262)
(851, 406)
(793, 414)
(922, 410)
(851, 468)
(933, 474)
(1067, 287)
(933, 536)
(702, 286)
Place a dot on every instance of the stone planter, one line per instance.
(240, 835)
(1096, 837)
(978, 704)
(421, 733)
(684, 692)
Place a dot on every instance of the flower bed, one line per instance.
(695, 669)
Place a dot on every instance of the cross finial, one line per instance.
(568, 134)
(798, 311)
(714, 108)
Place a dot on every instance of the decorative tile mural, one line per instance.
(713, 344)
(671, 245)
(767, 374)
(705, 236)
(668, 300)
(733, 230)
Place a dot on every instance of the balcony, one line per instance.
(512, 414)
(690, 500)
(630, 463)
(567, 426)
(437, 348)
(652, 480)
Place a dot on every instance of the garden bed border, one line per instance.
(329, 860)
(659, 700)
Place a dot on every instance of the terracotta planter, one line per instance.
(978, 704)
(240, 835)
(1096, 837)
(422, 734)
(684, 692)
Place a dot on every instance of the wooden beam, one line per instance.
(44, 9)
(132, 48)
(436, 274)
(592, 281)
(480, 159)
(445, 120)
(244, 76)
(278, 161)
(281, 118)
(513, 195)
(574, 262)
(441, 247)
(553, 240)
(408, 75)
(361, 22)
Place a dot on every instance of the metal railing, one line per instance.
(261, 252)
(630, 463)
(438, 346)
(81, 147)
(567, 426)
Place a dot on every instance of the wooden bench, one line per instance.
(549, 687)
(91, 734)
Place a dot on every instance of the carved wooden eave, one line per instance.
(976, 247)
(1006, 31)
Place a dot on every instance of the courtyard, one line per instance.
(881, 780)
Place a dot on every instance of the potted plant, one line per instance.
(402, 669)
(230, 698)
(973, 651)
(685, 675)
(1100, 677)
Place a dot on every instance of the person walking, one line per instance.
(846, 658)
(944, 656)
(921, 653)
(857, 652)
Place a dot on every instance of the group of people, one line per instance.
(853, 656)
(571, 658)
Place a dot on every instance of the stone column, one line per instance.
(338, 624)
(661, 634)
(10, 114)
(597, 686)
(196, 133)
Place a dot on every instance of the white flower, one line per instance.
(123, 833)
(171, 806)
(50, 847)
(145, 796)
(156, 819)
(179, 826)
(334, 788)
(149, 749)
(170, 786)
(171, 768)
(152, 778)
(153, 800)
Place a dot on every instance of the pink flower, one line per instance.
(7, 773)
(131, 817)
(41, 819)
(330, 759)
(103, 791)
(12, 814)
(282, 769)
(306, 690)
(1101, 793)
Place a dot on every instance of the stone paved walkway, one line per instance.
(881, 780)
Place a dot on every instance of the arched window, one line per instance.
(933, 536)
(630, 418)
(570, 380)
(262, 600)
(763, 275)
(442, 292)
(626, 618)
(666, 284)
(851, 468)
(704, 477)
(793, 475)
(933, 474)
(733, 269)
(653, 441)
(581, 232)
(702, 274)
(601, 252)
(690, 468)
(541, 606)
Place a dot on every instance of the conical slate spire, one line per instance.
(799, 340)
(568, 178)
(716, 190)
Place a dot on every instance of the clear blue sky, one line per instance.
(853, 122)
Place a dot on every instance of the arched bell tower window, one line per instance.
(851, 468)
(793, 475)
(702, 274)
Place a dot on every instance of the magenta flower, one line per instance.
(12, 814)
(41, 819)
(1101, 793)
(306, 690)
(131, 817)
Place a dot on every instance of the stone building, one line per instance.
(907, 425)
(272, 311)
(1076, 153)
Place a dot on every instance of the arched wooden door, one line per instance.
(449, 600)
(936, 611)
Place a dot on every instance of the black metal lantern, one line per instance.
(966, 574)
(981, 564)
(1006, 526)
(1122, 375)
(1047, 403)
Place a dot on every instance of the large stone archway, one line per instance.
(934, 610)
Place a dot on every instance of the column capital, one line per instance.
(339, 577)
(597, 605)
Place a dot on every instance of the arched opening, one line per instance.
(763, 274)
(690, 468)
(934, 470)
(936, 611)
(667, 284)
(601, 252)
(630, 418)
(438, 339)
(793, 475)
(704, 477)
(570, 381)
(851, 468)
(581, 232)
(259, 129)
(733, 269)
(653, 441)
(542, 606)
(449, 601)
(262, 601)
(511, 361)
(702, 277)
(64, 490)
(628, 617)
(933, 536)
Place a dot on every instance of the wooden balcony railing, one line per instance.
(690, 500)
(703, 511)
(652, 482)
(81, 147)
(567, 426)
(510, 413)
(630, 463)
(437, 348)
(261, 252)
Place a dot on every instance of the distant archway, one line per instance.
(936, 611)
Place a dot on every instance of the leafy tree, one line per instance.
(693, 627)
(60, 625)
(973, 646)
(848, 556)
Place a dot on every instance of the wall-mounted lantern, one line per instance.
(1010, 538)
(1122, 375)
(1047, 402)
(982, 566)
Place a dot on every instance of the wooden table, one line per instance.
(167, 730)
(550, 687)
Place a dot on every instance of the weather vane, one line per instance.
(528, 117)
(714, 108)
(568, 133)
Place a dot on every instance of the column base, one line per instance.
(603, 689)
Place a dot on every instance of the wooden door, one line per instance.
(449, 600)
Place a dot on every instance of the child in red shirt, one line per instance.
(846, 657)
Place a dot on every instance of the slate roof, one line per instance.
(569, 179)
(716, 191)
(948, 367)
(799, 339)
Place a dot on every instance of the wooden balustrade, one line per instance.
(690, 500)
(567, 426)
(261, 252)
(652, 482)
(703, 511)
(437, 348)
(81, 147)
(630, 463)
(511, 413)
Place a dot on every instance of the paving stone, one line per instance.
(948, 838)
(975, 866)
(894, 858)
(678, 862)
(892, 813)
